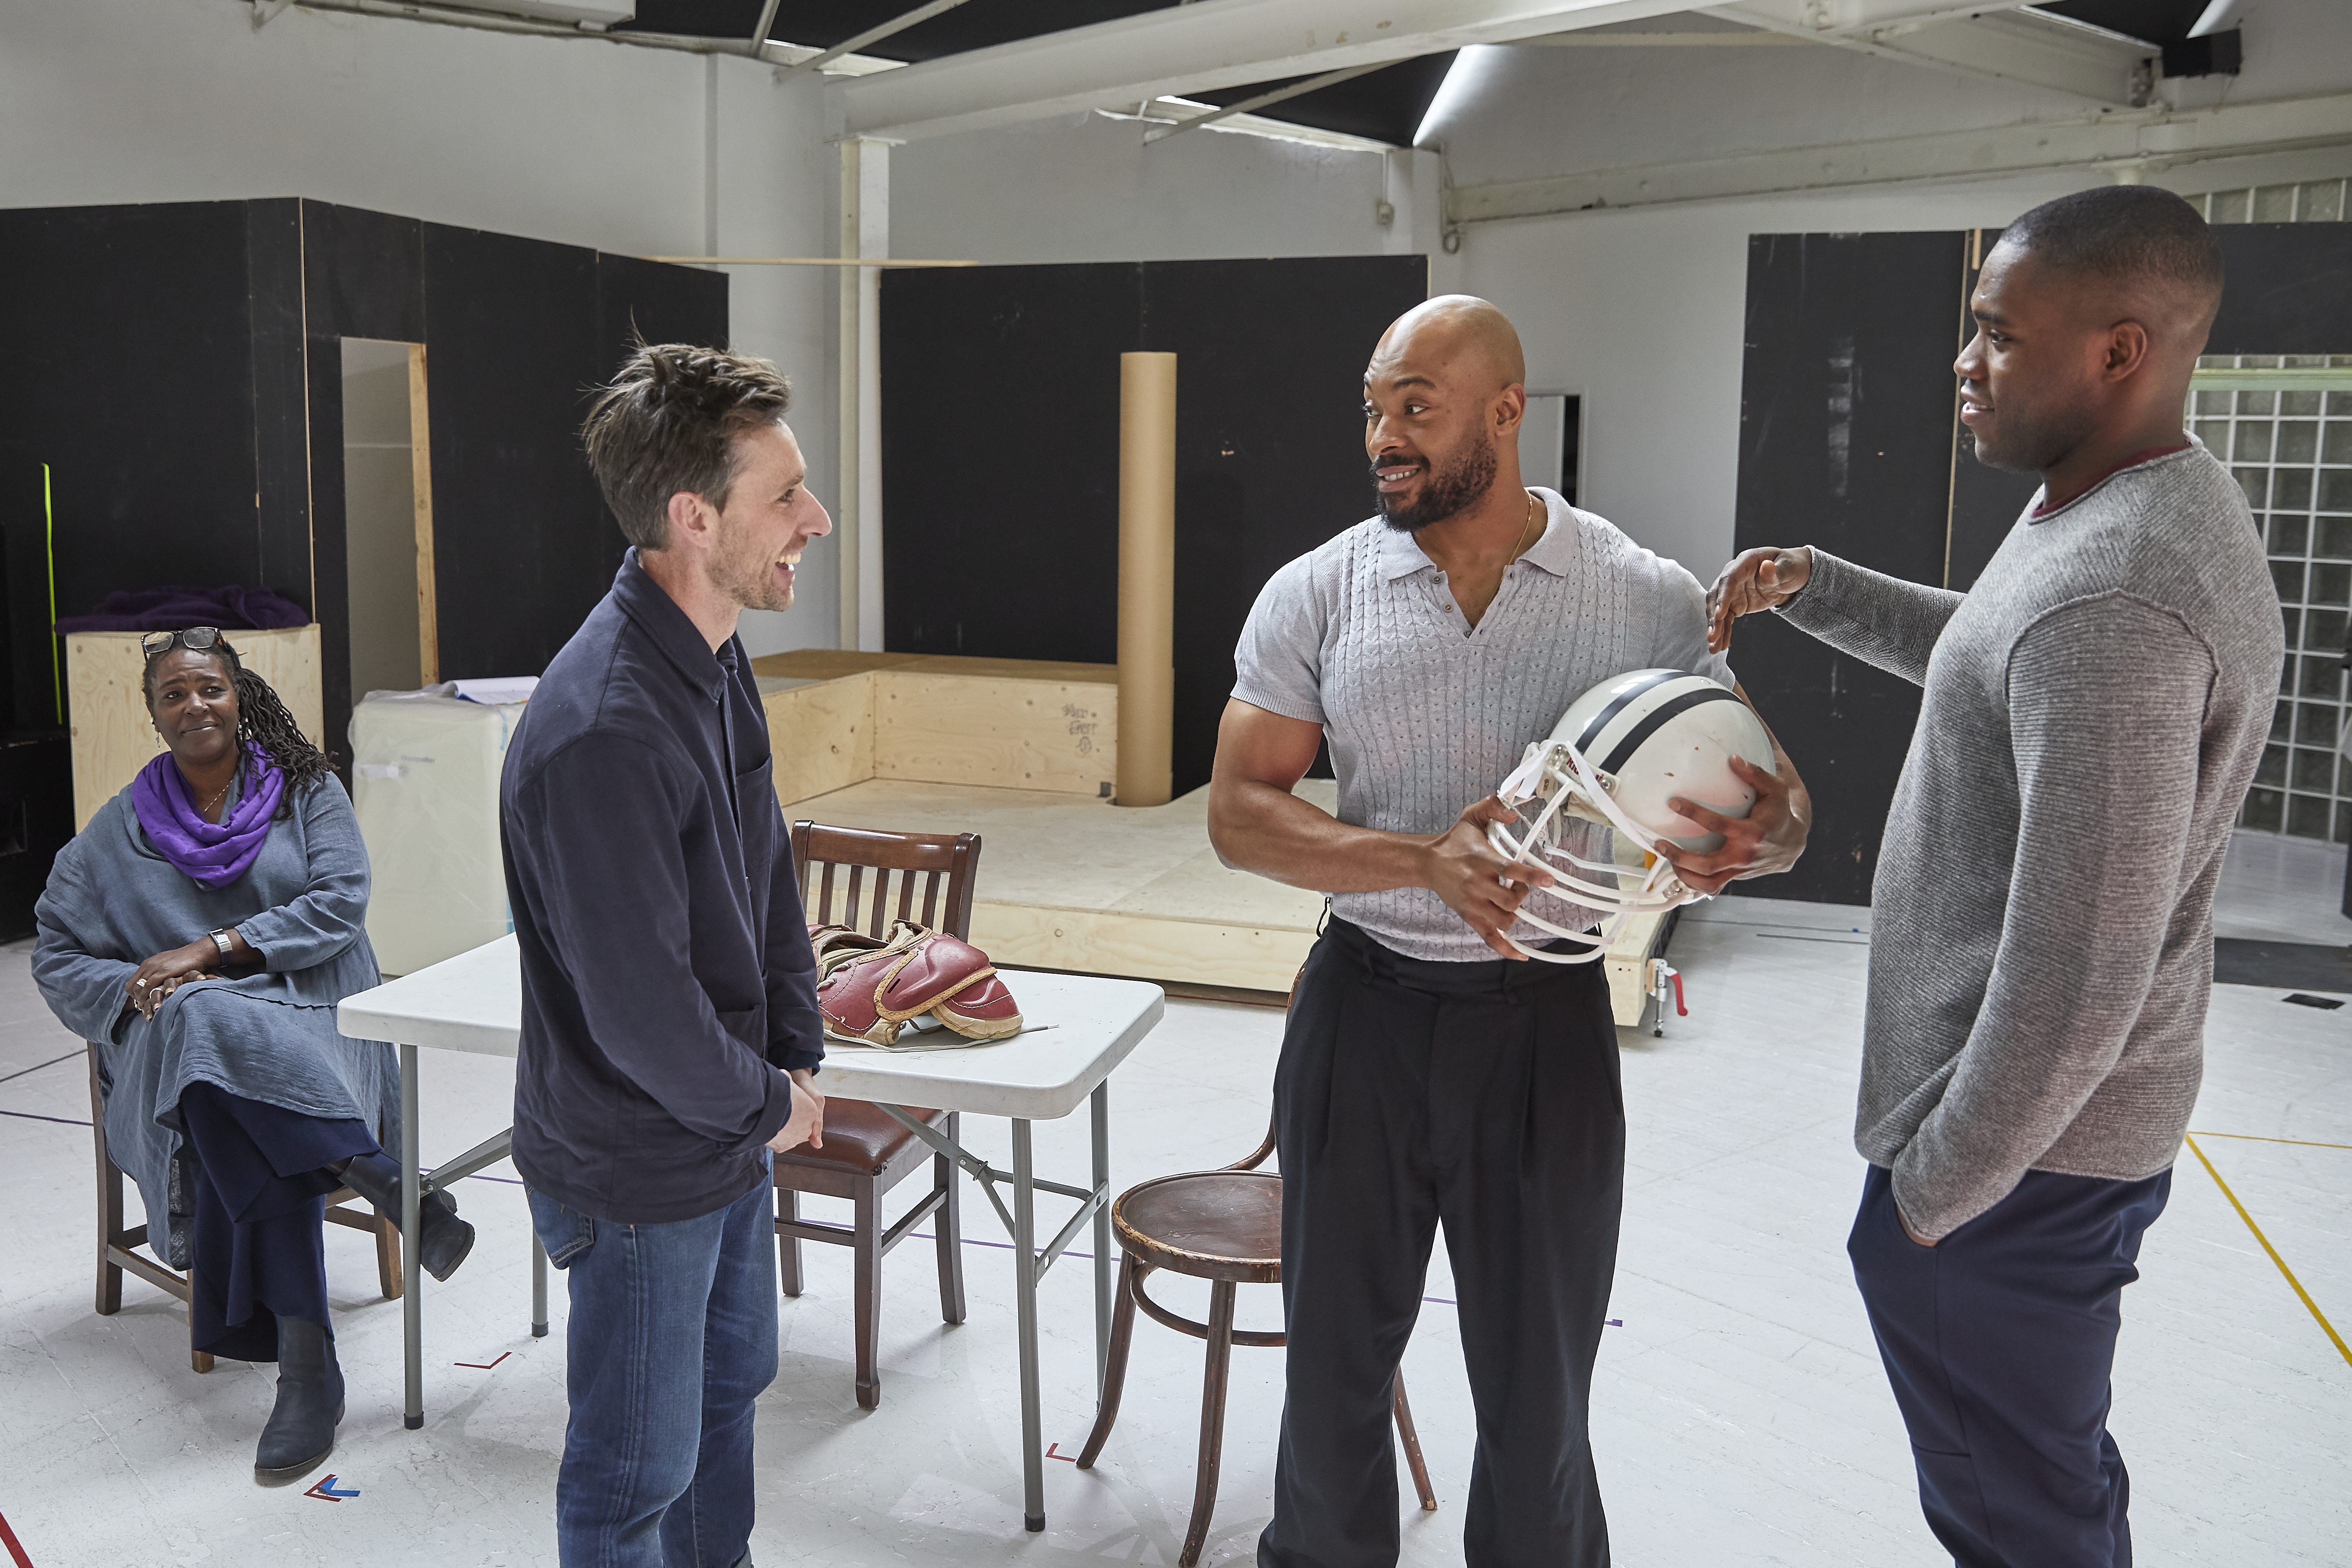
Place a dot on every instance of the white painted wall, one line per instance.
(578, 140)
(1086, 188)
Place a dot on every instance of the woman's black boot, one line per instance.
(301, 1429)
(447, 1238)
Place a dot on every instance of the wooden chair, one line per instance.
(866, 1152)
(1225, 1226)
(115, 1240)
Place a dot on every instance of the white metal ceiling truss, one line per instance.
(1201, 48)
(2126, 142)
(2003, 42)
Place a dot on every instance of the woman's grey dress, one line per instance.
(113, 901)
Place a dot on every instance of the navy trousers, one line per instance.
(258, 1185)
(1482, 1096)
(1998, 1342)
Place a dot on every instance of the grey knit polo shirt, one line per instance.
(2041, 926)
(1426, 714)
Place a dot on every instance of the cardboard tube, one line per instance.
(1147, 577)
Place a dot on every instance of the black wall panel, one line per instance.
(364, 274)
(1001, 534)
(1846, 443)
(129, 371)
(517, 523)
(2289, 290)
(660, 304)
(179, 367)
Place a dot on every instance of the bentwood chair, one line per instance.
(866, 1152)
(1225, 1226)
(116, 1241)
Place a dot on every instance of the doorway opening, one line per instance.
(1551, 442)
(388, 518)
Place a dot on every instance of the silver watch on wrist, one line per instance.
(221, 940)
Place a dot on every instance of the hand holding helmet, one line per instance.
(1651, 755)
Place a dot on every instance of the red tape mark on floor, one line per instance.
(1054, 1451)
(16, 1550)
(483, 1365)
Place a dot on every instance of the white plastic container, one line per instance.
(424, 777)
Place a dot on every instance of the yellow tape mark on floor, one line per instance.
(2257, 1137)
(2305, 1296)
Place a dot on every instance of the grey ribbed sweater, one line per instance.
(1425, 714)
(2042, 945)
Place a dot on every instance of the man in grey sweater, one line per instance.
(2042, 924)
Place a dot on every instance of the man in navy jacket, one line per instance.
(670, 1037)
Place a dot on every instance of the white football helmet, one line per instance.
(1615, 757)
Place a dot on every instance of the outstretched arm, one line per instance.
(1881, 620)
(1257, 824)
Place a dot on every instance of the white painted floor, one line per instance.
(1740, 1416)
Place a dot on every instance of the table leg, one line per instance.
(412, 1321)
(538, 1287)
(1025, 1296)
(1103, 1285)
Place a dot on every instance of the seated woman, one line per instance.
(200, 930)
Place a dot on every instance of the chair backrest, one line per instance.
(1252, 1162)
(842, 857)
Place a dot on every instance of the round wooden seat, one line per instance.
(1212, 1225)
(1225, 1226)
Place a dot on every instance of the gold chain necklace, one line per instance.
(1527, 534)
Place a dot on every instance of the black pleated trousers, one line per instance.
(1482, 1096)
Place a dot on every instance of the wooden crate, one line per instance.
(112, 736)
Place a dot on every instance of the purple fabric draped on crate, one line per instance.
(231, 608)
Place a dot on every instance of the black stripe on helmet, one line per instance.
(1624, 750)
(1601, 719)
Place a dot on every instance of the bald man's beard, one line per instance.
(1447, 492)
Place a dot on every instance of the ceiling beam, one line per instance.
(1193, 49)
(1263, 101)
(2003, 42)
(873, 35)
(2127, 142)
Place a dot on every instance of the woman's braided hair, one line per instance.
(262, 721)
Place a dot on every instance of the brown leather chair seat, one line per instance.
(858, 1136)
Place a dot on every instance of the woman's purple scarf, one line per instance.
(215, 854)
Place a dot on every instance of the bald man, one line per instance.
(2042, 920)
(1430, 1074)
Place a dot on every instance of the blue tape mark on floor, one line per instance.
(327, 1491)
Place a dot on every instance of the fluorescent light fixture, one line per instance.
(596, 14)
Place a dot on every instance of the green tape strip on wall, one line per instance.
(49, 517)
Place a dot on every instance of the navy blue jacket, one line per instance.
(668, 982)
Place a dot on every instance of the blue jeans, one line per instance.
(1997, 1342)
(671, 1339)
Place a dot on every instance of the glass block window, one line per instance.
(2312, 201)
(2284, 424)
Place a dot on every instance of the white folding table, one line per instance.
(1080, 1028)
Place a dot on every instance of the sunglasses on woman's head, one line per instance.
(195, 638)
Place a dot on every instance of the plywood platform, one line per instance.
(1071, 883)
